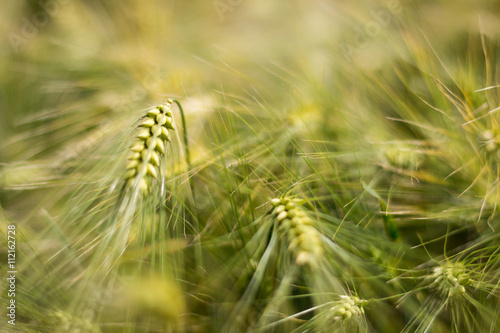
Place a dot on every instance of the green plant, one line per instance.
(330, 182)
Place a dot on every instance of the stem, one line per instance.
(188, 158)
(198, 251)
(184, 134)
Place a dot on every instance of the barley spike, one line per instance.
(148, 147)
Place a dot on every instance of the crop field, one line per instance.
(250, 166)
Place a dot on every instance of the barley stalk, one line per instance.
(188, 159)
(184, 136)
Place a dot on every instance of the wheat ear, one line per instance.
(148, 147)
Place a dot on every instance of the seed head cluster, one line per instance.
(149, 146)
(348, 307)
(450, 279)
(303, 238)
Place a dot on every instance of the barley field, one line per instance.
(250, 166)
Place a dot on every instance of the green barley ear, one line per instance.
(148, 148)
(348, 307)
(450, 279)
(298, 228)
